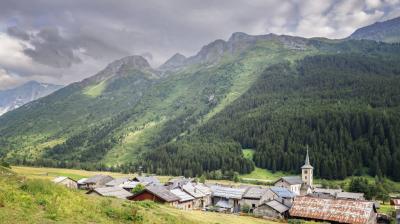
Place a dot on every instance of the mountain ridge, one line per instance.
(11, 99)
(169, 120)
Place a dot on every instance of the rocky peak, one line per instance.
(120, 66)
(174, 62)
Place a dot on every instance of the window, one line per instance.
(253, 205)
(305, 177)
(305, 171)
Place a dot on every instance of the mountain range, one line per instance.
(275, 94)
(13, 98)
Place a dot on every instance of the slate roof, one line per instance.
(193, 191)
(150, 180)
(227, 192)
(117, 181)
(282, 192)
(82, 181)
(255, 192)
(333, 210)
(350, 195)
(178, 182)
(182, 195)
(327, 191)
(130, 184)
(292, 180)
(60, 179)
(277, 206)
(117, 192)
(163, 193)
(96, 178)
(203, 188)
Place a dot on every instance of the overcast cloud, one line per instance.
(61, 41)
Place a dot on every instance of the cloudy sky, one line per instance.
(61, 41)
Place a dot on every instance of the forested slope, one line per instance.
(344, 106)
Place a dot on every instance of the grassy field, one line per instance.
(37, 200)
(51, 173)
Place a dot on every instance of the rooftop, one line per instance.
(334, 210)
(255, 192)
(163, 193)
(59, 179)
(277, 206)
(117, 192)
(150, 179)
(350, 195)
(192, 190)
(282, 192)
(117, 181)
(227, 192)
(96, 178)
(292, 180)
(327, 191)
(182, 195)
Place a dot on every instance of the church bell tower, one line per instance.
(307, 171)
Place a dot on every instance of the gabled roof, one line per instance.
(203, 188)
(255, 192)
(130, 184)
(292, 180)
(282, 192)
(227, 192)
(117, 181)
(332, 192)
(277, 206)
(117, 192)
(350, 195)
(97, 178)
(162, 192)
(193, 191)
(61, 179)
(82, 181)
(334, 210)
(178, 182)
(149, 180)
(182, 195)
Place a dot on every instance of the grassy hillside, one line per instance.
(39, 201)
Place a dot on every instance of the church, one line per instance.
(300, 185)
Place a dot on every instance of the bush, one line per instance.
(245, 208)
(296, 221)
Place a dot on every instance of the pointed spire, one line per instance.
(307, 158)
(307, 164)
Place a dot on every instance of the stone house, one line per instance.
(272, 209)
(66, 181)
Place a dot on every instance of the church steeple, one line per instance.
(307, 162)
(307, 171)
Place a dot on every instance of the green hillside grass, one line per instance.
(40, 201)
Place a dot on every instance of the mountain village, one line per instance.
(290, 197)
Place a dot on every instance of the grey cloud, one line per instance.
(17, 32)
(51, 49)
(79, 36)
